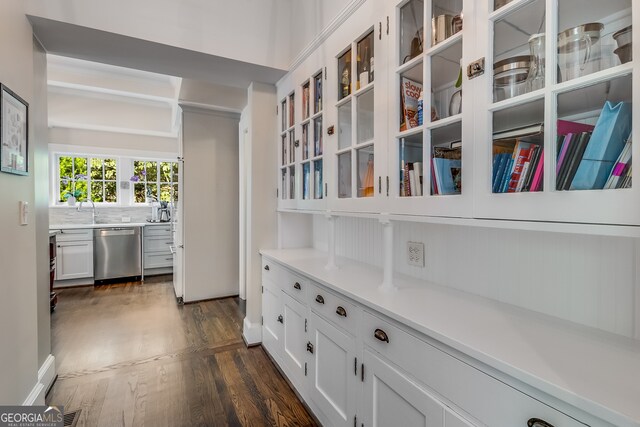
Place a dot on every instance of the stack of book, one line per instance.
(411, 180)
(446, 170)
(604, 155)
(517, 166)
(571, 143)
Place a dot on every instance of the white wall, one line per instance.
(19, 258)
(589, 280)
(210, 203)
(261, 184)
(83, 139)
(254, 31)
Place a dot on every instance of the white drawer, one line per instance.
(485, 398)
(271, 271)
(157, 244)
(158, 230)
(334, 308)
(74, 235)
(294, 285)
(158, 260)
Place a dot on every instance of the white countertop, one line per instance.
(592, 370)
(115, 224)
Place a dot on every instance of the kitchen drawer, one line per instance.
(75, 235)
(158, 230)
(272, 271)
(485, 398)
(333, 308)
(294, 285)
(158, 260)
(157, 244)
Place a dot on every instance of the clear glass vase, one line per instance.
(535, 79)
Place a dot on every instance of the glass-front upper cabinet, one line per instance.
(554, 111)
(312, 143)
(360, 117)
(430, 158)
(287, 191)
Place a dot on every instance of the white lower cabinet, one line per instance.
(333, 372)
(353, 366)
(272, 319)
(74, 260)
(392, 399)
(294, 348)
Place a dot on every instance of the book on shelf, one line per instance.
(575, 157)
(607, 141)
(317, 180)
(446, 165)
(409, 94)
(306, 177)
(622, 168)
(317, 94)
(515, 165)
(411, 180)
(305, 101)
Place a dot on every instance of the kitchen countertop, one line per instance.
(593, 370)
(115, 224)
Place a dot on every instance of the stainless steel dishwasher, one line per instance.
(117, 252)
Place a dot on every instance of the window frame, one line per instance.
(88, 156)
(158, 182)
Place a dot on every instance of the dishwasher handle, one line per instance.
(116, 232)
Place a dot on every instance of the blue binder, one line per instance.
(606, 143)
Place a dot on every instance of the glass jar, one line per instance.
(510, 77)
(535, 80)
(579, 50)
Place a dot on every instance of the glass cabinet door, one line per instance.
(360, 156)
(430, 158)
(555, 113)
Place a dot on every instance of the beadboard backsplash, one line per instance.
(590, 280)
(65, 215)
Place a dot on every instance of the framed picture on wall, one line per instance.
(14, 138)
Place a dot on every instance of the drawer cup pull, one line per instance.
(340, 311)
(297, 286)
(381, 335)
(266, 267)
(320, 299)
(537, 422)
(280, 319)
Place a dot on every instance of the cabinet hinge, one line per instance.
(305, 325)
(355, 421)
(262, 289)
(262, 320)
(380, 185)
(325, 73)
(276, 109)
(380, 31)
(277, 193)
(305, 369)
(362, 372)
(387, 186)
(326, 190)
(387, 24)
(355, 366)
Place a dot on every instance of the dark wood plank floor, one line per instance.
(128, 355)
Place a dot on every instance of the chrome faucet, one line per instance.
(93, 211)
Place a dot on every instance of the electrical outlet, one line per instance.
(415, 254)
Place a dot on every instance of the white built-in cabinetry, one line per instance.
(362, 119)
(353, 364)
(157, 242)
(74, 256)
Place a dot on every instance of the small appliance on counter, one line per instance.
(160, 213)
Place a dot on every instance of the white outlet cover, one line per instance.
(415, 254)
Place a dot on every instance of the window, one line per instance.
(156, 180)
(87, 178)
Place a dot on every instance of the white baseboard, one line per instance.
(46, 375)
(251, 332)
(47, 372)
(36, 397)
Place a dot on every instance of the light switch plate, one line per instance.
(415, 254)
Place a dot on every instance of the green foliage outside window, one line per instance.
(155, 180)
(84, 177)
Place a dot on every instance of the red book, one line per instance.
(521, 158)
(536, 184)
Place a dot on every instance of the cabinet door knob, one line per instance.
(266, 267)
(381, 335)
(280, 319)
(297, 286)
(320, 299)
(537, 422)
(340, 311)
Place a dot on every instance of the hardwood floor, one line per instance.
(128, 355)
